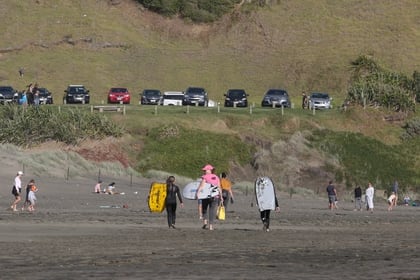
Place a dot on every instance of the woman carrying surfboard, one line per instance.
(210, 203)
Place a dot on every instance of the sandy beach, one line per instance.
(77, 234)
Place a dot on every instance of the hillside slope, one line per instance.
(295, 44)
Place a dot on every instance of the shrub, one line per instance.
(33, 125)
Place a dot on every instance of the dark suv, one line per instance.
(45, 96)
(276, 98)
(151, 97)
(76, 94)
(8, 95)
(195, 95)
(236, 98)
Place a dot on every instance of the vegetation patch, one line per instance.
(365, 159)
(184, 151)
(34, 125)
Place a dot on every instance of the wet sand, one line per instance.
(77, 234)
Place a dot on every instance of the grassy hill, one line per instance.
(296, 45)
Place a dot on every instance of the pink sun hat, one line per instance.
(207, 167)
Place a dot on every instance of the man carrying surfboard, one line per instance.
(210, 203)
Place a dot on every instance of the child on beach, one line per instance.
(391, 201)
(31, 196)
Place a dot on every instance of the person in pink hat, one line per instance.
(210, 204)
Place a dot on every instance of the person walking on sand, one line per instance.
(332, 196)
(358, 198)
(210, 204)
(265, 214)
(227, 193)
(172, 193)
(31, 196)
(16, 190)
(391, 201)
(370, 192)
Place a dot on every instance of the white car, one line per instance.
(173, 98)
(319, 100)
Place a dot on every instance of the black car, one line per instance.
(8, 95)
(276, 98)
(45, 96)
(236, 98)
(76, 94)
(151, 97)
(195, 96)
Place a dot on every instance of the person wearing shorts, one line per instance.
(332, 196)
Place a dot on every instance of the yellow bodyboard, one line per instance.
(157, 197)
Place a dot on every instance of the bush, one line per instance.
(33, 125)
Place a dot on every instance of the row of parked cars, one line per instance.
(196, 96)
(9, 95)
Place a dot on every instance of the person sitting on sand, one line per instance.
(111, 189)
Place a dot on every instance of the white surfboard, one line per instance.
(264, 193)
(190, 191)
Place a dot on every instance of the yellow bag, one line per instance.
(221, 212)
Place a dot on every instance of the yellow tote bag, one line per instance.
(221, 215)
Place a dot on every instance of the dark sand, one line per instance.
(70, 236)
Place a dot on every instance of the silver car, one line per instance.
(319, 100)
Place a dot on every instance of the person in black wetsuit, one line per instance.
(172, 192)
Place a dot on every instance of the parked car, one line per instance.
(151, 97)
(119, 95)
(76, 94)
(277, 98)
(45, 96)
(319, 100)
(8, 95)
(236, 98)
(173, 98)
(195, 95)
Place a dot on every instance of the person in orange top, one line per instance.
(227, 193)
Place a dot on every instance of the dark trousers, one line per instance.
(171, 211)
(265, 217)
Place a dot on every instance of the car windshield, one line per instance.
(276, 92)
(195, 91)
(176, 97)
(151, 93)
(77, 90)
(320, 95)
(118, 90)
(236, 93)
(43, 92)
(6, 89)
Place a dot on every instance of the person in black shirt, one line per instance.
(172, 192)
(332, 196)
(358, 198)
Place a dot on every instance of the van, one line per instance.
(173, 98)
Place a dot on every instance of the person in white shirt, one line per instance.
(370, 192)
(16, 190)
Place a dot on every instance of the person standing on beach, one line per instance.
(227, 193)
(172, 192)
(210, 204)
(332, 196)
(31, 196)
(370, 192)
(98, 186)
(395, 191)
(391, 201)
(358, 198)
(16, 190)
